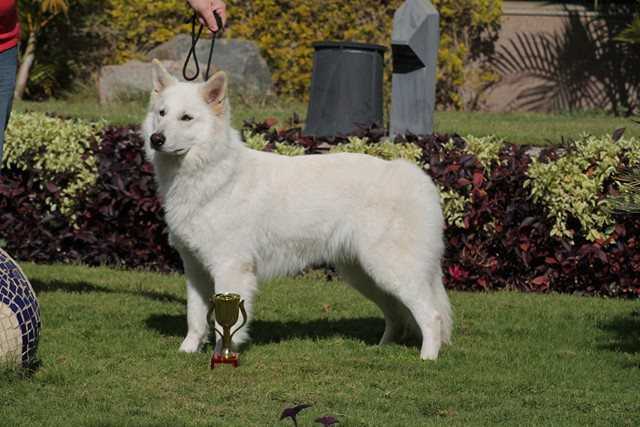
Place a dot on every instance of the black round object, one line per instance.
(346, 88)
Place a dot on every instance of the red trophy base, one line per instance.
(216, 358)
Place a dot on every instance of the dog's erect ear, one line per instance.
(161, 77)
(215, 89)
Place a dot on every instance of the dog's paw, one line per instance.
(191, 344)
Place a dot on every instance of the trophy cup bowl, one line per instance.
(227, 308)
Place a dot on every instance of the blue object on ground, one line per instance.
(18, 296)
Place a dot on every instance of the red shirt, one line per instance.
(9, 25)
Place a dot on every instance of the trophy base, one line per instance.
(217, 358)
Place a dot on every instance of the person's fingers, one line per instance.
(221, 9)
(210, 21)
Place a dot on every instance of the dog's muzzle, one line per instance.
(157, 140)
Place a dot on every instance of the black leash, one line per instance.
(192, 51)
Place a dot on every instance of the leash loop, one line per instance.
(192, 50)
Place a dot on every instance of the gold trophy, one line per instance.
(226, 308)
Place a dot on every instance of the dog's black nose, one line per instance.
(157, 140)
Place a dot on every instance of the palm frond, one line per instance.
(631, 34)
(629, 199)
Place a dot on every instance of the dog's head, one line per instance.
(184, 117)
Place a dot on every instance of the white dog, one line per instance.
(238, 216)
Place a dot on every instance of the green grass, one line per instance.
(109, 357)
(532, 128)
(117, 114)
(522, 128)
(133, 112)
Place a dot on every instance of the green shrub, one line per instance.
(486, 149)
(54, 147)
(387, 149)
(572, 185)
(569, 187)
(454, 206)
(255, 141)
(289, 149)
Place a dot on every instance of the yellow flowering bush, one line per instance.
(286, 29)
(139, 26)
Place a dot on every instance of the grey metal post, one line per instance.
(414, 46)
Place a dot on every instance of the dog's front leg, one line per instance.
(239, 278)
(199, 288)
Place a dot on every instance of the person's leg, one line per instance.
(8, 65)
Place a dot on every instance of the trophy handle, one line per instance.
(214, 322)
(244, 318)
(219, 333)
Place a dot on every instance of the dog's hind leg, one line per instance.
(409, 281)
(429, 321)
(391, 308)
(199, 287)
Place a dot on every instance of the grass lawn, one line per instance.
(532, 128)
(133, 112)
(525, 128)
(109, 358)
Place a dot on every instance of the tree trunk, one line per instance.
(25, 66)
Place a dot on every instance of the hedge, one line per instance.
(117, 222)
(498, 236)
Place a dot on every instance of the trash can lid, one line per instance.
(348, 45)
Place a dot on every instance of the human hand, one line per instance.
(205, 9)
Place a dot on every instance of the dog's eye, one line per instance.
(186, 118)
(162, 113)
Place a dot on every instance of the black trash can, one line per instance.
(346, 88)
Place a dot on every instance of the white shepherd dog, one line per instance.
(238, 216)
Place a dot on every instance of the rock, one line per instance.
(247, 70)
(241, 59)
(534, 152)
(129, 80)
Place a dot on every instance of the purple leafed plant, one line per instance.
(293, 412)
(505, 242)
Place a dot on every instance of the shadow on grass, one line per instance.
(625, 331)
(83, 287)
(169, 325)
(367, 329)
(9, 373)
